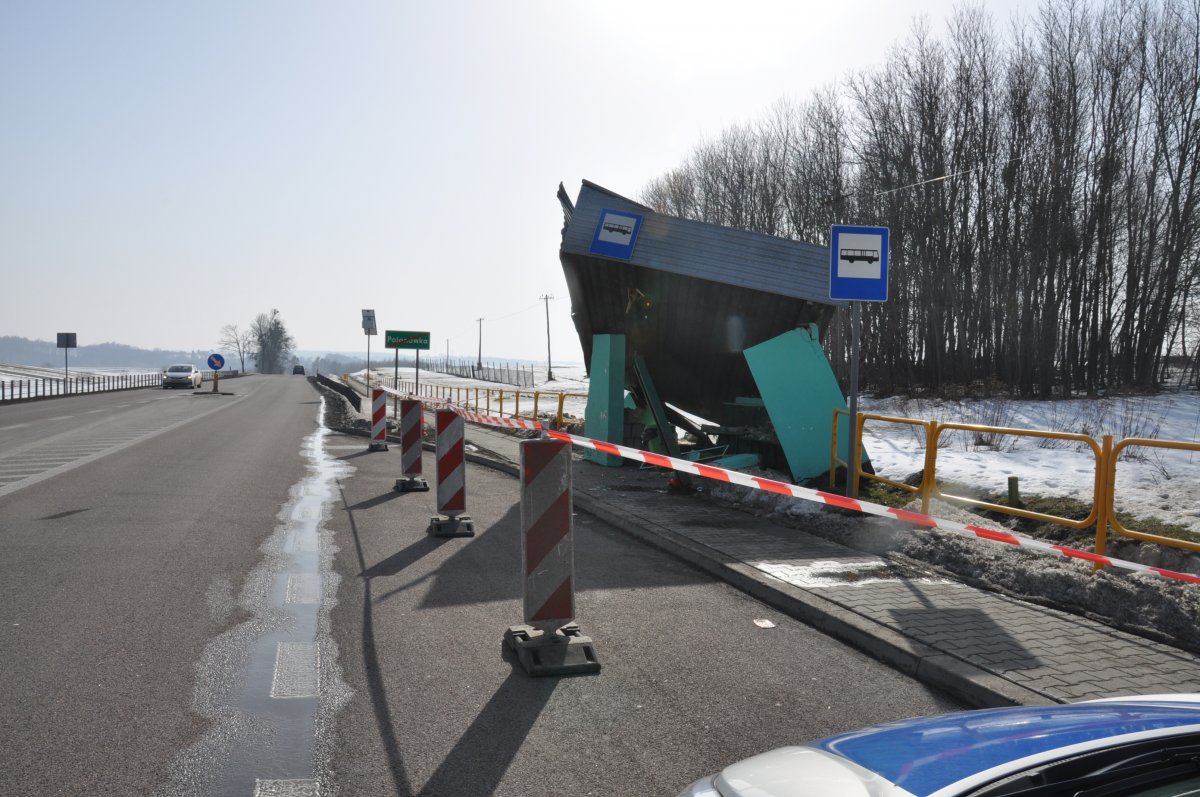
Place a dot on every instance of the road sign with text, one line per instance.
(395, 339)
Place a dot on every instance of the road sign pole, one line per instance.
(851, 464)
(396, 384)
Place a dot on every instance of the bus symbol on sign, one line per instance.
(869, 255)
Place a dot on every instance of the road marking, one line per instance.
(14, 426)
(303, 588)
(295, 671)
(287, 788)
(60, 418)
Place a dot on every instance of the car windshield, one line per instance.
(179, 368)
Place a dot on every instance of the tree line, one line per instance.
(267, 342)
(1040, 185)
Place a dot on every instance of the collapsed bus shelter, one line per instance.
(722, 324)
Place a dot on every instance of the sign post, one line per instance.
(858, 272)
(66, 340)
(216, 362)
(368, 325)
(402, 339)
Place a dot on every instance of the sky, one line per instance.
(167, 168)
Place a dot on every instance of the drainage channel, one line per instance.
(271, 684)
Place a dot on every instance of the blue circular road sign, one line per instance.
(216, 362)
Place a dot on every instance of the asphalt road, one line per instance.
(151, 549)
(116, 573)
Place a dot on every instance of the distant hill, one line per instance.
(22, 351)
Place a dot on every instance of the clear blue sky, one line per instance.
(170, 167)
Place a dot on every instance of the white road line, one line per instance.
(287, 788)
(295, 671)
(14, 426)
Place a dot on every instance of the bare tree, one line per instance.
(240, 343)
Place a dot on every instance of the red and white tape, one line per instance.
(829, 499)
(865, 507)
(495, 420)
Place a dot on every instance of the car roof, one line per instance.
(926, 754)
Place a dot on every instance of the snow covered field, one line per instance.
(1150, 482)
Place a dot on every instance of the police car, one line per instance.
(1121, 747)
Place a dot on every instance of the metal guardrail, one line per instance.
(12, 390)
(33, 388)
(1103, 513)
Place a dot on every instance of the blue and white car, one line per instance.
(1122, 747)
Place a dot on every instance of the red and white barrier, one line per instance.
(550, 643)
(378, 420)
(451, 478)
(412, 423)
(547, 539)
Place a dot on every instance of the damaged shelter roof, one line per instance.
(688, 296)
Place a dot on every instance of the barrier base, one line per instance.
(412, 485)
(459, 526)
(378, 445)
(562, 652)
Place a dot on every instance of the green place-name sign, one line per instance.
(393, 339)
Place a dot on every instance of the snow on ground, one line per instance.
(1151, 482)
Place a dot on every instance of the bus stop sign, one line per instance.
(858, 263)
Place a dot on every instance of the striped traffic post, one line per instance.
(550, 643)
(411, 426)
(378, 420)
(451, 479)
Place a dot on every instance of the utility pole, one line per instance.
(479, 361)
(549, 367)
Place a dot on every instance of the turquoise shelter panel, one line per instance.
(800, 392)
(604, 418)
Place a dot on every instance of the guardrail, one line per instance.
(13, 390)
(46, 387)
(1103, 514)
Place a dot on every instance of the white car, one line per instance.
(1117, 747)
(182, 376)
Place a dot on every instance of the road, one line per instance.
(228, 594)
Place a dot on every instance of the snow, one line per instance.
(1150, 482)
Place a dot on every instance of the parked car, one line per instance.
(182, 376)
(1123, 747)
(298, 369)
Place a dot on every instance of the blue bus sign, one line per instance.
(858, 263)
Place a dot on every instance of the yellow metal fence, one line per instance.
(1103, 513)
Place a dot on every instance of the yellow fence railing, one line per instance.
(1107, 455)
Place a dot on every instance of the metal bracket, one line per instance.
(564, 651)
(458, 526)
(412, 485)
